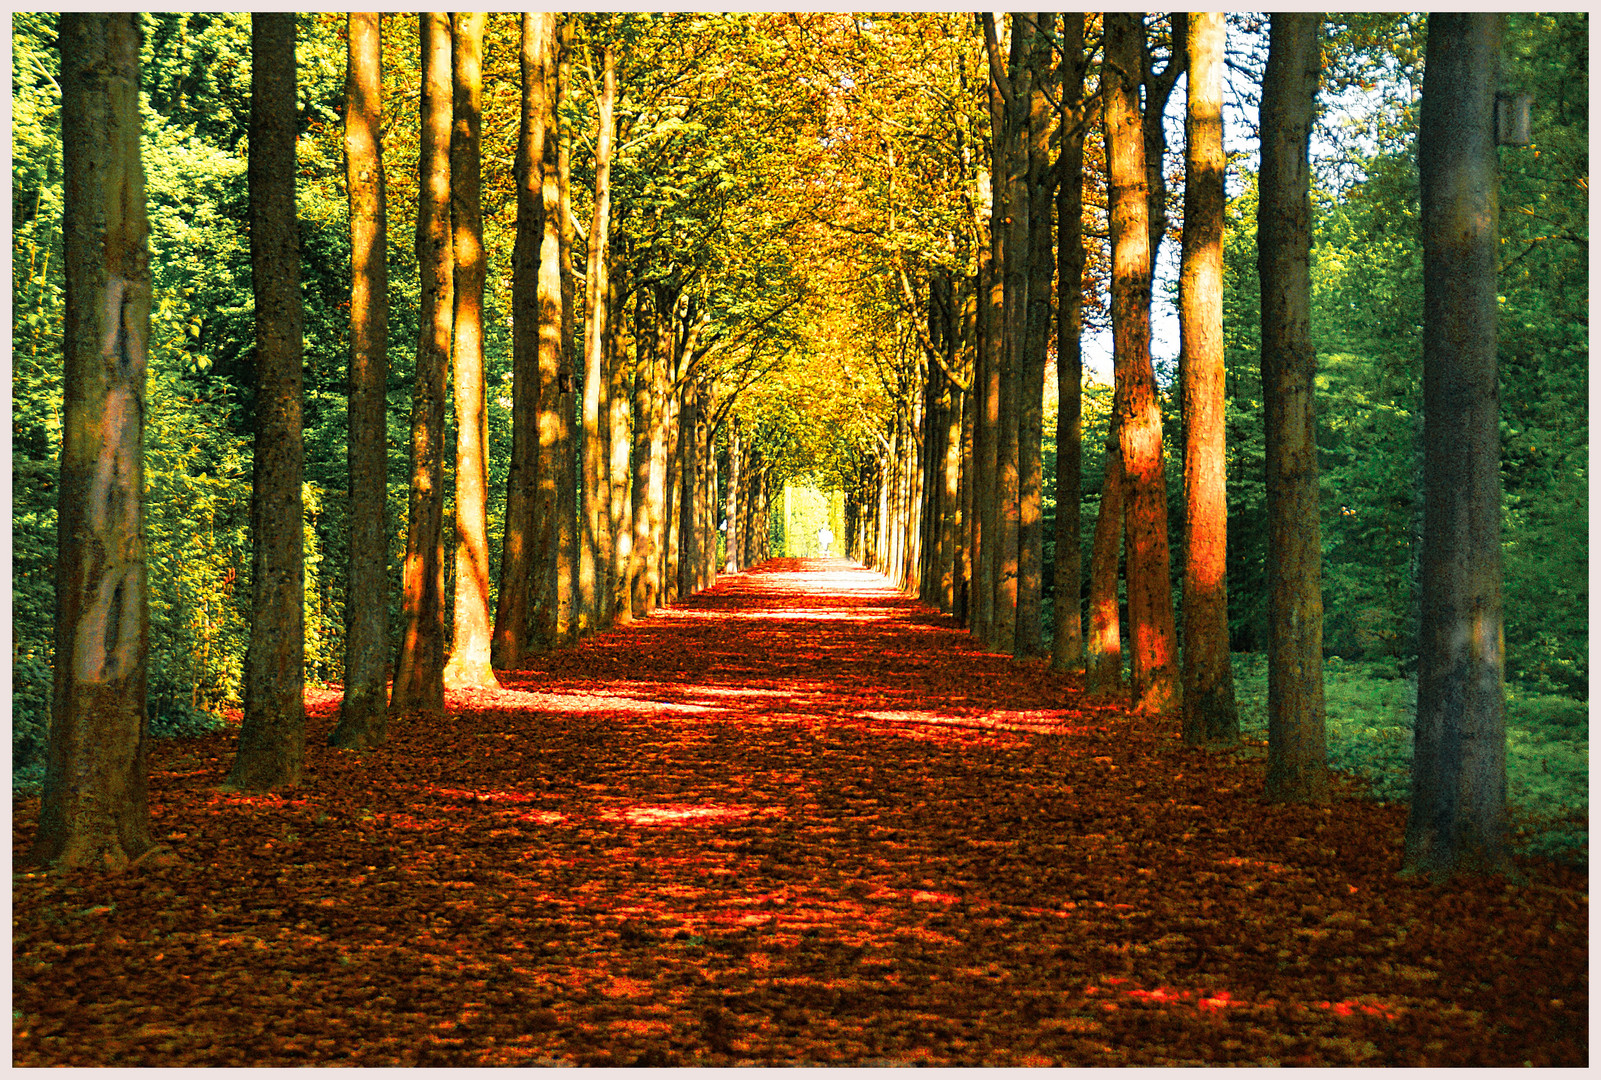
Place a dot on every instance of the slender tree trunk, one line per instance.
(731, 561)
(567, 531)
(646, 342)
(469, 655)
(555, 391)
(1104, 647)
(1154, 649)
(520, 538)
(94, 810)
(419, 674)
(673, 502)
(594, 495)
(362, 712)
(620, 534)
(1458, 818)
(272, 738)
(1210, 714)
(1297, 756)
(1067, 649)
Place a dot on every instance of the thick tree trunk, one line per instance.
(94, 810)
(419, 674)
(1210, 714)
(591, 571)
(1297, 756)
(1104, 646)
(272, 739)
(469, 654)
(363, 710)
(1458, 817)
(567, 531)
(519, 545)
(1067, 649)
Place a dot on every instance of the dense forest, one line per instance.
(719, 254)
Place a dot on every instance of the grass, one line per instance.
(1369, 724)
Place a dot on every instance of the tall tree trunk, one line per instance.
(1067, 649)
(731, 561)
(519, 541)
(272, 738)
(1104, 647)
(594, 495)
(1297, 757)
(419, 674)
(1458, 817)
(646, 343)
(689, 482)
(362, 712)
(1152, 640)
(619, 401)
(567, 531)
(555, 390)
(94, 810)
(469, 655)
(1210, 714)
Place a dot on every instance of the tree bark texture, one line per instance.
(619, 408)
(1297, 754)
(1104, 646)
(364, 707)
(1210, 714)
(1153, 644)
(419, 674)
(272, 738)
(731, 562)
(555, 391)
(594, 496)
(519, 540)
(94, 809)
(567, 532)
(1458, 817)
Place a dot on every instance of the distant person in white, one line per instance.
(825, 537)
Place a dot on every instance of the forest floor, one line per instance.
(797, 819)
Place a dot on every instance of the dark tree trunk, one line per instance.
(519, 577)
(94, 811)
(363, 710)
(1210, 714)
(272, 739)
(1104, 646)
(419, 674)
(1297, 756)
(1458, 818)
(1153, 642)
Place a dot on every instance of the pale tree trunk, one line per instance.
(272, 738)
(1458, 818)
(1153, 644)
(591, 570)
(689, 484)
(1297, 767)
(1210, 714)
(673, 497)
(419, 674)
(567, 530)
(620, 534)
(555, 392)
(469, 666)
(519, 538)
(1067, 649)
(646, 342)
(94, 810)
(363, 710)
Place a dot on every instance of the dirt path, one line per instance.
(797, 819)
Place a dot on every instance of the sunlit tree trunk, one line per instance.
(1153, 642)
(619, 400)
(519, 577)
(272, 738)
(94, 809)
(594, 494)
(363, 709)
(1210, 714)
(555, 379)
(419, 674)
(567, 532)
(469, 655)
(1103, 647)
(1297, 756)
(731, 562)
(1458, 817)
(647, 359)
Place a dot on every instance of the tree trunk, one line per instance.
(619, 402)
(1150, 599)
(94, 809)
(1210, 715)
(1067, 650)
(567, 531)
(1458, 817)
(646, 343)
(469, 655)
(555, 381)
(272, 739)
(591, 570)
(419, 674)
(363, 709)
(1297, 757)
(1104, 646)
(731, 561)
(519, 545)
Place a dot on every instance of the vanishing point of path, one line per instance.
(797, 819)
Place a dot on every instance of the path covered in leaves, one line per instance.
(797, 819)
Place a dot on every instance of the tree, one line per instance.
(595, 494)
(1103, 647)
(469, 653)
(273, 735)
(1150, 599)
(94, 811)
(362, 712)
(419, 674)
(1297, 754)
(1458, 817)
(1210, 714)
